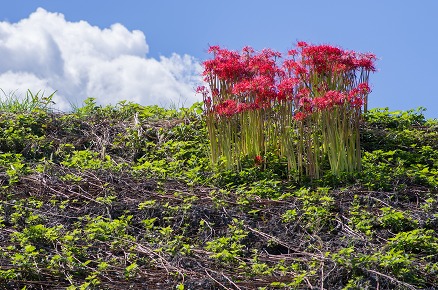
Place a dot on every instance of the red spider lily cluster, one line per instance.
(249, 80)
(312, 79)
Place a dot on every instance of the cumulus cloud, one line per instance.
(46, 52)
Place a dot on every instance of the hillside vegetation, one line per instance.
(123, 197)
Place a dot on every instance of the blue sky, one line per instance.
(175, 36)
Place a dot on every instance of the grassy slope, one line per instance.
(122, 198)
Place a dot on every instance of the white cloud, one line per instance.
(46, 52)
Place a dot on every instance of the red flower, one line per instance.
(292, 52)
(302, 44)
(364, 88)
(213, 49)
(295, 67)
(304, 92)
(249, 80)
(299, 116)
(356, 95)
(243, 107)
(227, 108)
(258, 160)
(286, 88)
(357, 102)
(321, 103)
(366, 61)
(335, 98)
(306, 104)
(201, 90)
(248, 49)
(264, 63)
(226, 65)
(215, 92)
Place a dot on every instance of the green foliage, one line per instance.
(418, 241)
(228, 248)
(13, 166)
(384, 119)
(289, 216)
(86, 159)
(361, 219)
(119, 194)
(265, 188)
(38, 235)
(102, 229)
(396, 220)
(316, 208)
(400, 146)
(122, 110)
(24, 134)
(396, 169)
(30, 103)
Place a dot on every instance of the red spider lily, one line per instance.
(300, 116)
(327, 58)
(302, 44)
(303, 93)
(292, 52)
(215, 92)
(321, 58)
(259, 89)
(227, 108)
(366, 61)
(361, 90)
(319, 83)
(264, 86)
(286, 88)
(357, 95)
(248, 50)
(295, 68)
(306, 104)
(205, 96)
(356, 102)
(264, 63)
(335, 98)
(258, 160)
(243, 87)
(364, 88)
(322, 103)
(244, 107)
(226, 65)
(201, 90)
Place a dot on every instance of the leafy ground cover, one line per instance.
(123, 197)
